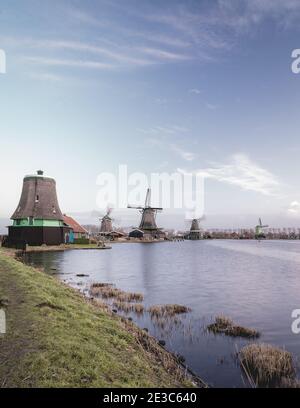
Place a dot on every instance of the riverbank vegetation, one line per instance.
(57, 338)
(170, 310)
(107, 290)
(137, 308)
(226, 326)
(268, 366)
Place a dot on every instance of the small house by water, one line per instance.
(77, 232)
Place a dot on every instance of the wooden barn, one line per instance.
(77, 232)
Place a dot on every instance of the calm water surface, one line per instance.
(257, 284)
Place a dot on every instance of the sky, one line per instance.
(190, 86)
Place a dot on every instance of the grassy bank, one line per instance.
(55, 338)
(65, 247)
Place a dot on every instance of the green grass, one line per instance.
(56, 338)
(53, 248)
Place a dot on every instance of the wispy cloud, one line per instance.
(70, 63)
(211, 106)
(45, 76)
(195, 91)
(167, 146)
(160, 54)
(168, 130)
(85, 18)
(109, 55)
(294, 208)
(184, 154)
(151, 36)
(244, 173)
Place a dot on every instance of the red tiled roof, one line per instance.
(77, 228)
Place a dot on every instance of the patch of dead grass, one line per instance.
(266, 365)
(226, 326)
(127, 307)
(168, 310)
(108, 291)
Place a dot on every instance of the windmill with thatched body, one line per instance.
(148, 221)
(260, 230)
(106, 223)
(195, 231)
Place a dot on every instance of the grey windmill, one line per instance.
(106, 223)
(195, 231)
(148, 219)
(260, 230)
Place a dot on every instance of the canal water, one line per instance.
(257, 284)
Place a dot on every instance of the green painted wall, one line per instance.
(37, 223)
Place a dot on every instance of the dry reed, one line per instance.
(226, 326)
(167, 310)
(168, 360)
(127, 307)
(107, 291)
(266, 365)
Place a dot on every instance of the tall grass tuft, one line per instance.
(127, 307)
(226, 326)
(167, 310)
(266, 365)
(108, 291)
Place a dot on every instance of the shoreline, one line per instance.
(52, 328)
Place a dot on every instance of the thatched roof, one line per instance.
(38, 199)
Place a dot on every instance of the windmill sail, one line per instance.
(148, 219)
(259, 230)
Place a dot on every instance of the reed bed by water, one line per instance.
(101, 285)
(167, 310)
(127, 307)
(150, 344)
(108, 291)
(267, 366)
(167, 317)
(226, 326)
(130, 296)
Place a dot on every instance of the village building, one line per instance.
(77, 232)
(136, 233)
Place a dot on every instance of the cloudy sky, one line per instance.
(160, 86)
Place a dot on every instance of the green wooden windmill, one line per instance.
(259, 230)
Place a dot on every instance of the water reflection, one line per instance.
(256, 284)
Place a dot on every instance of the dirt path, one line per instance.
(18, 340)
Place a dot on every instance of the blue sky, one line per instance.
(159, 86)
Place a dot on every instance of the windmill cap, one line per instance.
(39, 174)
